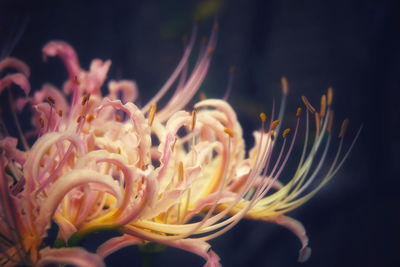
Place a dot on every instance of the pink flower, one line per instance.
(170, 176)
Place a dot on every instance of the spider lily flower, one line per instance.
(171, 176)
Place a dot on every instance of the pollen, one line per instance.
(85, 99)
(330, 122)
(308, 105)
(51, 100)
(274, 124)
(330, 96)
(298, 112)
(263, 117)
(194, 115)
(285, 86)
(180, 171)
(152, 114)
(118, 118)
(41, 121)
(323, 106)
(90, 117)
(285, 132)
(229, 131)
(343, 128)
(60, 112)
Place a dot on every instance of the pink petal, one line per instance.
(116, 243)
(66, 53)
(15, 63)
(74, 256)
(129, 89)
(17, 78)
(298, 229)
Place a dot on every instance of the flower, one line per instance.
(171, 176)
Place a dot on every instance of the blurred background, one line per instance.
(353, 46)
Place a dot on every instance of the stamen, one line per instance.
(118, 150)
(274, 124)
(285, 132)
(298, 112)
(343, 128)
(90, 117)
(330, 122)
(51, 100)
(285, 86)
(210, 51)
(76, 81)
(41, 121)
(323, 106)
(60, 113)
(78, 119)
(194, 115)
(318, 123)
(118, 118)
(180, 171)
(204, 39)
(85, 99)
(229, 131)
(330, 96)
(202, 96)
(152, 113)
(263, 117)
(272, 134)
(308, 105)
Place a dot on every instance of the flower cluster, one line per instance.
(169, 176)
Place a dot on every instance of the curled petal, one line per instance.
(116, 243)
(298, 229)
(74, 256)
(66, 53)
(15, 63)
(129, 88)
(17, 78)
(65, 183)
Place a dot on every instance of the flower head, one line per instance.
(169, 176)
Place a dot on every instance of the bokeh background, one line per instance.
(353, 46)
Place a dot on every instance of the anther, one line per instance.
(298, 112)
(204, 39)
(275, 123)
(118, 150)
(229, 131)
(285, 132)
(330, 122)
(210, 51)
(323, 106)
(90, 117)
(78, 119)
(85, 99)
(263, 117)
(318, 123)
(180, 171)
(308, 105)
(343, 128)
(285, 86)
(202, 96)
(216, 26)
(232, 69)
(75, 80)
(194, 115)
(41, 121)
(60, 112)
(118, 118)
(152, 114)
(51, 100)
(330, 96)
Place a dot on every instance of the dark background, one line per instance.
(353, 46)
